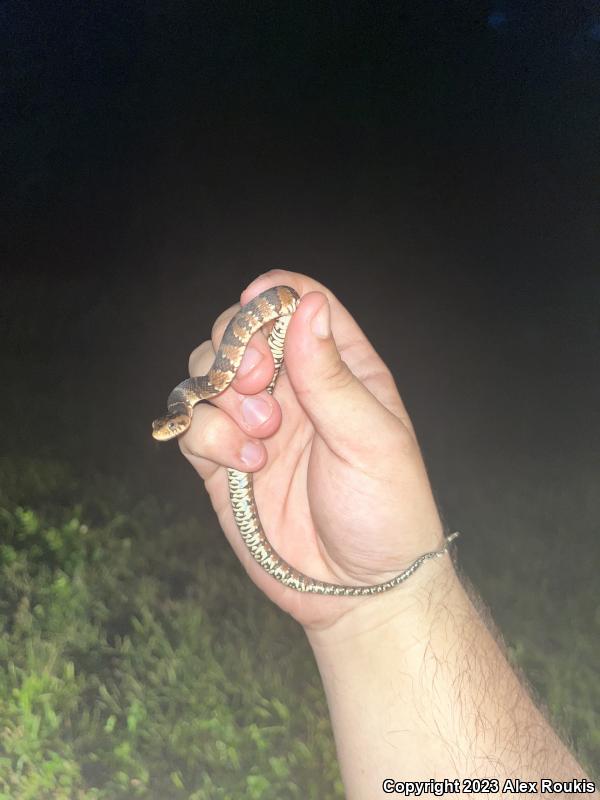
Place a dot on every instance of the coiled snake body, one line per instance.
(274, 305)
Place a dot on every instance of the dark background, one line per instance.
(435, 164)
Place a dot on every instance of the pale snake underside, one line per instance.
(274, 305)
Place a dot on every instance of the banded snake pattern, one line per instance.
(274, 305)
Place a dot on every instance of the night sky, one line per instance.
(435, 164)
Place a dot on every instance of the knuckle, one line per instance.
(401, 440)
(279, 273)
(300, 282)
(188, 450)
(211, 438)
(337, 375)
(206, 434)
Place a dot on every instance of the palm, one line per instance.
(343, 495)
(307, 500)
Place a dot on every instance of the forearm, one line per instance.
(419, 689)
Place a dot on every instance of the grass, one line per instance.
(131, 672)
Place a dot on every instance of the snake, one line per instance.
(276, 305)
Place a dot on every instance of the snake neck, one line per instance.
(190, 392)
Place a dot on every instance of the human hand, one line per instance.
(339, 481)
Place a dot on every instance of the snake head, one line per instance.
(170, 426)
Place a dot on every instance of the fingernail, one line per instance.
(256, 410)
(251, 358)
(251, 453)
(320, 324)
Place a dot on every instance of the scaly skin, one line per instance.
(274, 305)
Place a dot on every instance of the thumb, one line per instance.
(343, 411)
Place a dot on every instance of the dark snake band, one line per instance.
(274, 305)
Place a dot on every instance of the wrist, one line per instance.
(376, 663)
(405, 613)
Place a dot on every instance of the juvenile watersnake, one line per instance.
(274, 305)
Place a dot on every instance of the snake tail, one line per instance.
(275, 305)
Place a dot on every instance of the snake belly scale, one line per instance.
(274, 305)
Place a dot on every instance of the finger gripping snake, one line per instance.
(274, 305)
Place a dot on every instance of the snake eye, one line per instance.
(172, 426)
